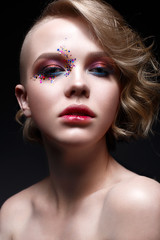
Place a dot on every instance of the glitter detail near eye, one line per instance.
(50, 72)
(69, 61)
(41, 77)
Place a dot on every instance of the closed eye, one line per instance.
(51, 72)
(101, 71)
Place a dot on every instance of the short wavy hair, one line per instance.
(140, 96)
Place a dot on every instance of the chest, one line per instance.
(82, 226)
(86, 223)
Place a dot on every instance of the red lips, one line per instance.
(77, 114)
(76, 110)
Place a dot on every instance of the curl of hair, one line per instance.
(140, 96)
(30, 130)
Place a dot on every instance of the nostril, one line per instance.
(77, 90)
(85, 93)
(73, 92)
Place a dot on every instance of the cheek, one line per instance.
(41, 100)
(109, 96)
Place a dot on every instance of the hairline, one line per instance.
(35, 26)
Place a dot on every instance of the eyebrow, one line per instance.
(48, 56)
(58, 56)
(95, 55)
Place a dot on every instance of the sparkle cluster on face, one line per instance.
(68, 64)
(69, 61)
(41, 77)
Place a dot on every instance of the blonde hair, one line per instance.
(139, 101)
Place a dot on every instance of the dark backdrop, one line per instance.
(22, 164)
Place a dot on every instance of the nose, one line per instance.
(76, 86)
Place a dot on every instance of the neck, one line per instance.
(77, 172)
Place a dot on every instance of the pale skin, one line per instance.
(88, 195)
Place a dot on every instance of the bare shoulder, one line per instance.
(137, 191)
(16, 211)
(137, 188)
(12, 215)
(134, 207)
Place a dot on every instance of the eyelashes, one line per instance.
(50, 72)
(101, 71)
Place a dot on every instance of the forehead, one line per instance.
(72, 33)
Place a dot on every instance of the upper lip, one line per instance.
(81, 110)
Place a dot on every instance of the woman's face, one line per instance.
(71, 90)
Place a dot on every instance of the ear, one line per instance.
(22, 99)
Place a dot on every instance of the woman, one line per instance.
(87, 79)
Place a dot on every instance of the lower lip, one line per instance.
(76, 119)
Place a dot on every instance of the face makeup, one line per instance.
(77, 114)
(81, 108)
(69, 62)
(50, 72)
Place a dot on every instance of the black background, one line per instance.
(22, 164)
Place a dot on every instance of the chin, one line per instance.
(74, 137)
(67, 141)
(75, 142)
